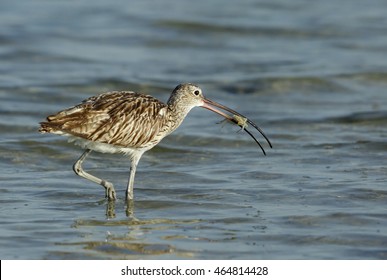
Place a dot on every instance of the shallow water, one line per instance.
(312, 75)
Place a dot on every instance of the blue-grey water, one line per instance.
(312, 74)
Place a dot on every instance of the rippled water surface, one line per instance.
(312, 75)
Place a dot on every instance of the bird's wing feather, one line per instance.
(124, 119)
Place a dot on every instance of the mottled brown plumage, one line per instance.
(129, 123)
(124, 119)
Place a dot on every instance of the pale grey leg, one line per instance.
(110, 193)
(133, 167)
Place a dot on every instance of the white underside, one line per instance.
(103, 147)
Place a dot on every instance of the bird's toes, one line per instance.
(110, 192)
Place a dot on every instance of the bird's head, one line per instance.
(187, 96)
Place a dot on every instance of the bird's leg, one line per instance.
(133, 166)
(110, 193)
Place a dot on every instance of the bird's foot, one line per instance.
(110, 192)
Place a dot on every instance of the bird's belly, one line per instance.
(103, 147)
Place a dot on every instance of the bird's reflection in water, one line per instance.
(120, 235)
(130, 209)
(111, 209)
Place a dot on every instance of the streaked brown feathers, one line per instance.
(125, 119)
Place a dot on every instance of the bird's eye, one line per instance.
(196, 92)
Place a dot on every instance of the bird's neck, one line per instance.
(177, 114)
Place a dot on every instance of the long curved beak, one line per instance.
(237, 118)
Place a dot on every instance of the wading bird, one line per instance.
(131, 123)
